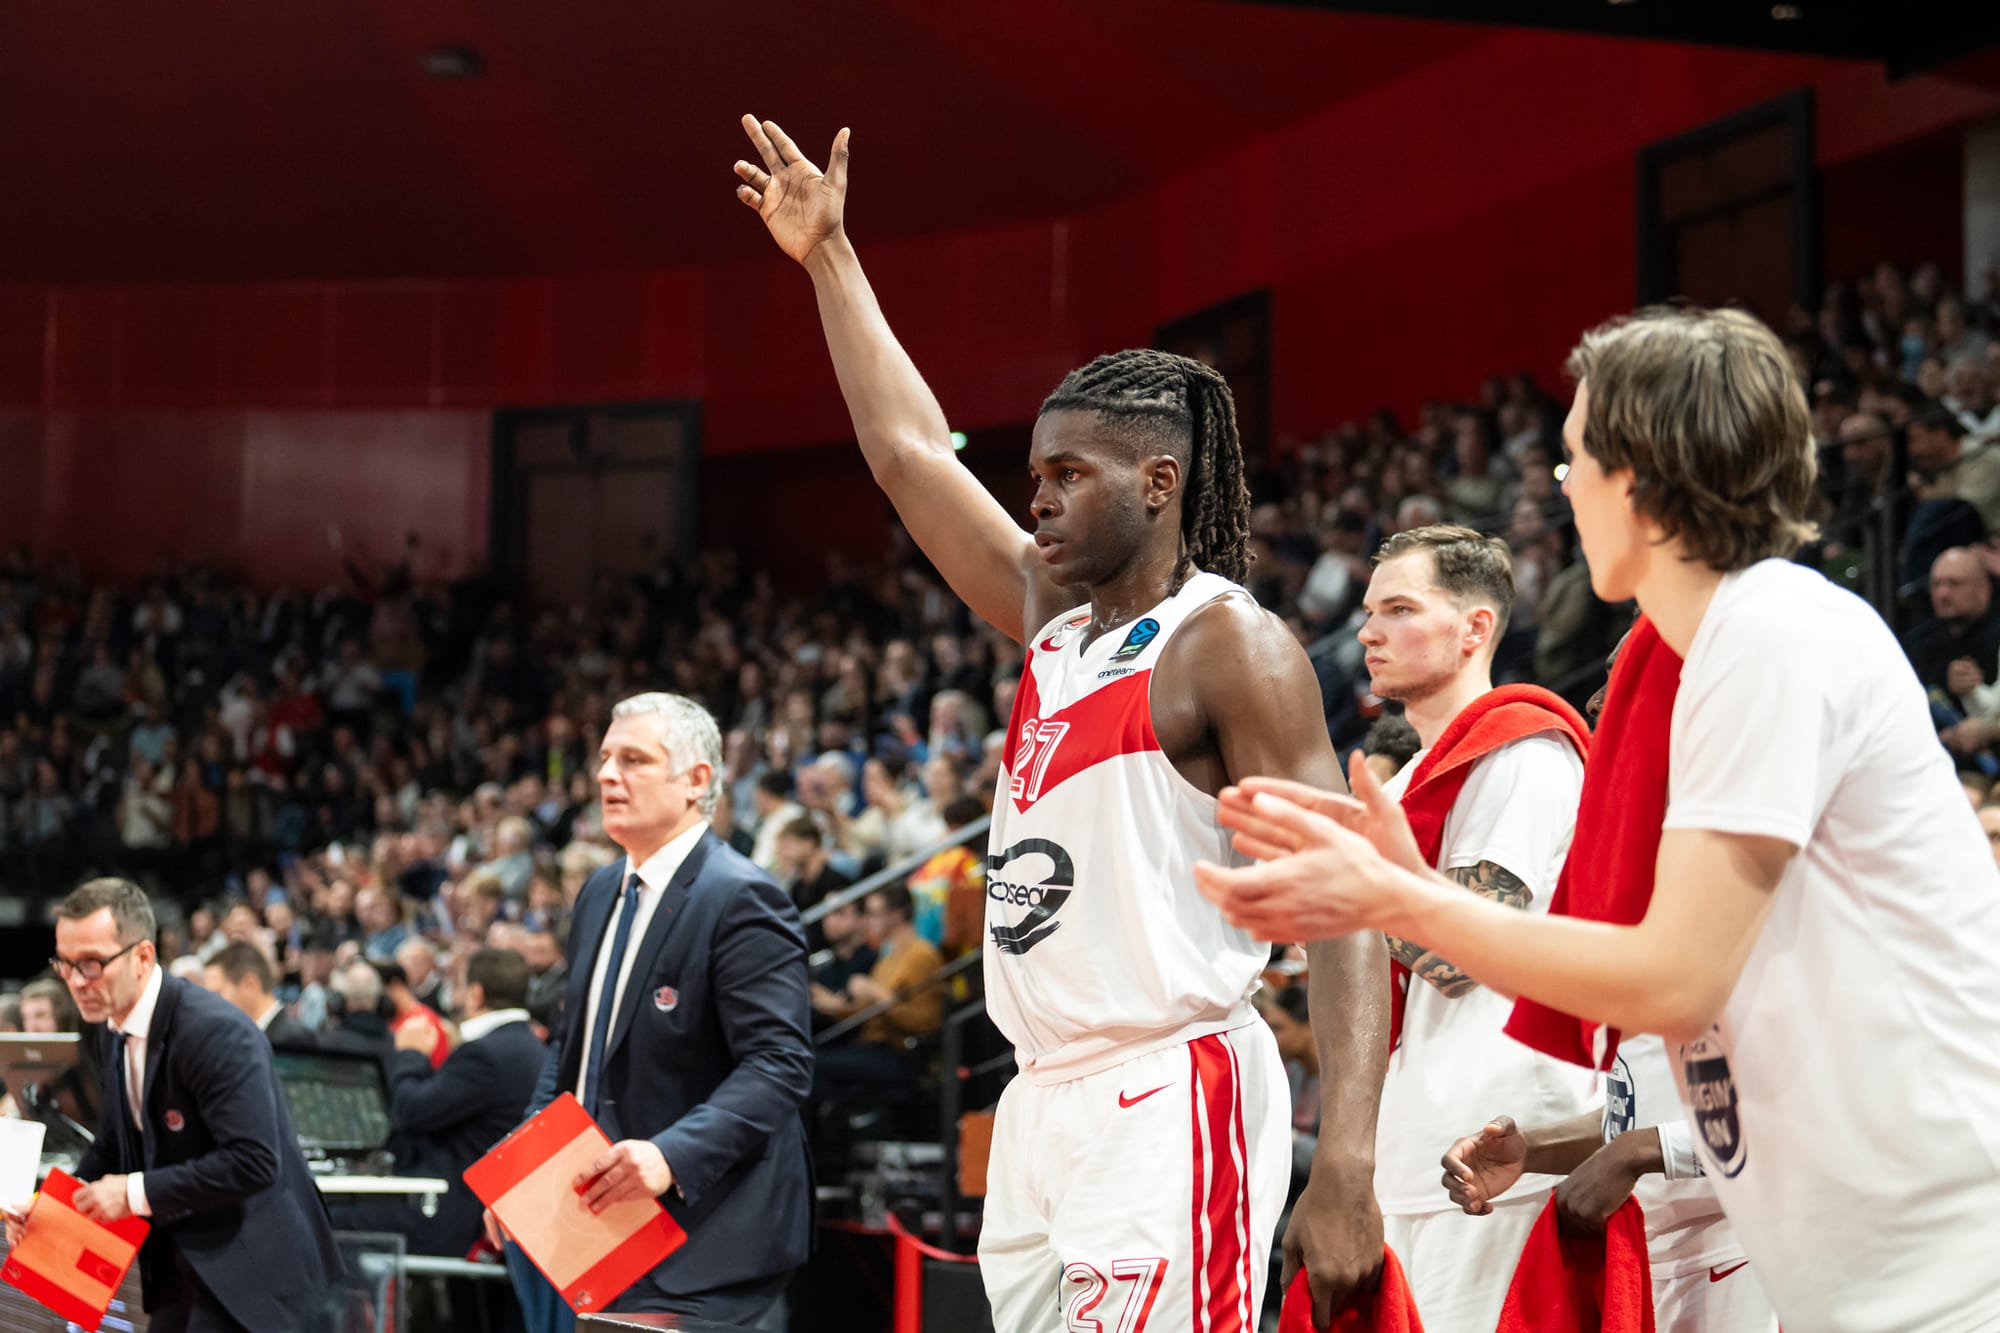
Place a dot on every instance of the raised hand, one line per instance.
(1483, 1166)
(800, 204)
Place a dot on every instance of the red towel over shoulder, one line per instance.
(1609, 873)
(1389, 1310)
(1496, 718)
(1582, 1284)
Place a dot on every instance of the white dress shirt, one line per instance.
(137, 1023)
(655, 874)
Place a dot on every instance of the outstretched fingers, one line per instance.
(762, 142)
(788, 152)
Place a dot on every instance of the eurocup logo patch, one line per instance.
(665, 998)
(1712, 1097)
(1135, 643)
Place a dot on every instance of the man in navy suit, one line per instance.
(686, 1030)
(447, 1119)
(193, 1134)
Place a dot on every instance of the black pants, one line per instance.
(190, 1307)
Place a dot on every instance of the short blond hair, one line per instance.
(1703, 407)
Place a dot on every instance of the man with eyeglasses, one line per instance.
(194, 1134)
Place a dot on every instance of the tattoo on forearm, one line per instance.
(1488, 879)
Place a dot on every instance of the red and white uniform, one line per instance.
(1140, 1162)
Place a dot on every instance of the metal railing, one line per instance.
(892, 874)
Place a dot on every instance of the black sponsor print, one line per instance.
(1043, 898)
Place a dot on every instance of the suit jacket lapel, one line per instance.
(157, 1034)
(657, 930)
(586, 938)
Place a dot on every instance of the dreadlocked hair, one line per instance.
(1186, 406)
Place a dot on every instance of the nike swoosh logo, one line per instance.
(1125, 1103)
(1715, 1275)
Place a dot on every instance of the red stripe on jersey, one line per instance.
(1043, 752)
(1222, 1272)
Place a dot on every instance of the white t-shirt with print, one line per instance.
(1456, 1067)
(1685, 1228)
(1847, 1106)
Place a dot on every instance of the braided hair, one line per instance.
(1185, 406)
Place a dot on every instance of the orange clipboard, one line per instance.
(69, 1263)
(590, 1258)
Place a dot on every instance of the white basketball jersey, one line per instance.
(1099, 948)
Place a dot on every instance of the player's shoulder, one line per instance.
(1538, 768)
(1781, 616)
(1232, 623)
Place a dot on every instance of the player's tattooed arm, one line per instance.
(1488, 879)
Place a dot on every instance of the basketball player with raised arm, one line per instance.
(1817, 947)
(1141, 1159)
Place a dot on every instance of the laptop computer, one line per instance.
(339, 1103)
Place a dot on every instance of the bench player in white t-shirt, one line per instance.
(1141, 1159)
(1818, 949)
(1436, 606)
(1640, 1145)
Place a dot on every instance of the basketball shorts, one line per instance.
(1460, 1267)
(1721, 1298)
(1141, 1197)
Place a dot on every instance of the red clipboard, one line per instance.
(69, 1263)
(590, 1258)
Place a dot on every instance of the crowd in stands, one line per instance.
(398, 772)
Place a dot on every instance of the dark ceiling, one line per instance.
(250, 139)
(245, 139)
(1906, 41)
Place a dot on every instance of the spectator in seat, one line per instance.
(853, 956)
(360, 1027)
(775, 810)
(805, 868)
(879, 1066)
(949, 889)
(418, 959)
(381, 918)
(407, 1012)
(1957, 650)
(447, 1116)
(242, 975)
(896, 823)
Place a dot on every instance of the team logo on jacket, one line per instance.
(175, 1124)
(665, 998)
(1036, 875)
(1135, 643)
(1711, 1095)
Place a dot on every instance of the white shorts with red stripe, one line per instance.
(1142, 1198)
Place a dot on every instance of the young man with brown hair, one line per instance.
(1815, 940)
(1492, 793)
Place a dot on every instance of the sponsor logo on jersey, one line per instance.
(1711, 1092)
(1135, 643)
(1115, 672)
(1621, 1101)
(1063, 634)
(1035, 876)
